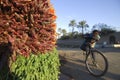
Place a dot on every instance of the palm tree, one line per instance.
(73, 25)
(82, 24)
(64, 32)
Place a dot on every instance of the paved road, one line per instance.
(74, 66)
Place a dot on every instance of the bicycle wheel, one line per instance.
(96, 63)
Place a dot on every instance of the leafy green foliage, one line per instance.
(36, 67)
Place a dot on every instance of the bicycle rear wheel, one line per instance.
(96, 63)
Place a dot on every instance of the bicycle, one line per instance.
(96, 62)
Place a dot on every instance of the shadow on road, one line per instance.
(75, 68)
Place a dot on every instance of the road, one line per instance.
(73, 64)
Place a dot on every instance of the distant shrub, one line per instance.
(75, 36)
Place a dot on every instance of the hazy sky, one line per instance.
(93, 11)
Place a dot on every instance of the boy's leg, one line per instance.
(87, 50)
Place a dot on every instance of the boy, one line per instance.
(90, 40)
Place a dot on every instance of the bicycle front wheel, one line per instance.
(96, 63)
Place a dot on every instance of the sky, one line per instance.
(93, 11)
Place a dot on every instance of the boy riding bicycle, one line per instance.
(95, 61)
(90, 40)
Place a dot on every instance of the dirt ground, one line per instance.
(73, 67)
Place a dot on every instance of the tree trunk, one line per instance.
(82, 31)
(5, 54)
(72, 32)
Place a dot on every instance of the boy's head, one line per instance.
(95, 32)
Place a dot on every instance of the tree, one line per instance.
(59, 30)
(73, 25)
(28, 32)
(82, 24)
(106, 31)
(100, 26)
(64, 32)
(104, 28)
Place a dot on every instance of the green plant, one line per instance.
(36, 67)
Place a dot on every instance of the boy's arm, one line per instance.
(95, 39)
